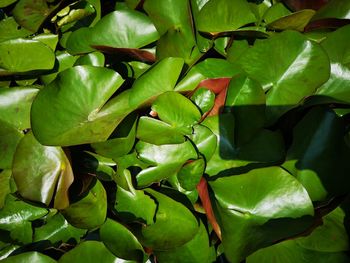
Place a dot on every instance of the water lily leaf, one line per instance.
(90, 211)
(29, 256)
(338, 52)
(246, 99)
(121, 241)
(73, 103)
(205, 141)
(9, 139)
(224, 15)
(295, 21)
(88, 252)
(42, 173)
(172, 19)
(135, 30)
(32, 14)
(15, 104)
(158, 132)
(12, 60)
(299, 73)
(50, 40)
(137, 68)
(9, 29)
(197, 250)
(191, 173)
(176, 110)
(311, 156)
(63, 61)
(334, 9)
(96, 59)
(273, 194)
(57, 229)
(5, 177)
(276, 12)
(210, 68)
(4, 3)
(237, 48)
(204, 99)
(174, 224)
(16, 217)
(331, 236)
(76, 12)
(289, 251)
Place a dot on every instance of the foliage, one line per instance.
(174, 131)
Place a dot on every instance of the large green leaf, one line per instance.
(12, 60)
(9, 29)
(273, 194)
(176, 110)
(224, 15)
(42, 173)
(73, 103)
(197, 250)
(16, 217)
(174, 224)
(121, 241)
(205, 141)
(15, 104)
(88, 252)
(57, 229)
(334, 9)
(29, 257)
(311, 156)
(336, 88)
(90, 211)
(134, 30)
(287, 77)
(9, 138)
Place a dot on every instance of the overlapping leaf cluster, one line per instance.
(174, 131)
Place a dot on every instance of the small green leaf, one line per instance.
(295, 21)
(191, 173)
(9, 29)
(204, 99)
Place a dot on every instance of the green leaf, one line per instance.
(42, 173)
(5, 177)
(276, 12)
(235, 51)
(295, 21)
(191, 173)
(331, 236)
(204, 140)
(246, 99)
(204, 99)
(88, 252)
(96, 59)
(90, 211)
(12, 60)
(246, 223)
(73, 105)
(9, 29)
(15, 104)
(289, 252)
(29, 257)
(338, 52)
(210, 68)
(32, 14)
(9, 139)
(197, 250)
(135, 30)
(311, 156)
(76, 12)
(16, 217)
(121, 241)
(50, 40)
(4, 3)
(224, 15)
(57, 229)
(121, 141)
(174, 225)
(158, 132)
(334, 9)
(176, 110)
(298, 74)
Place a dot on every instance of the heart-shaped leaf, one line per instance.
(273, 194)
(298, 74)
(73, 102)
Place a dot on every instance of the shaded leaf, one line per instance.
(334, 9)
(295, 21)
(42, 173)
(191, 173)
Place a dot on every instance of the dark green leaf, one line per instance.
(120, 241)
(275, 12)
(42, 173)
(295, 21)
(205, 141)
(29, 257)
(334, 9)
(191, 173)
